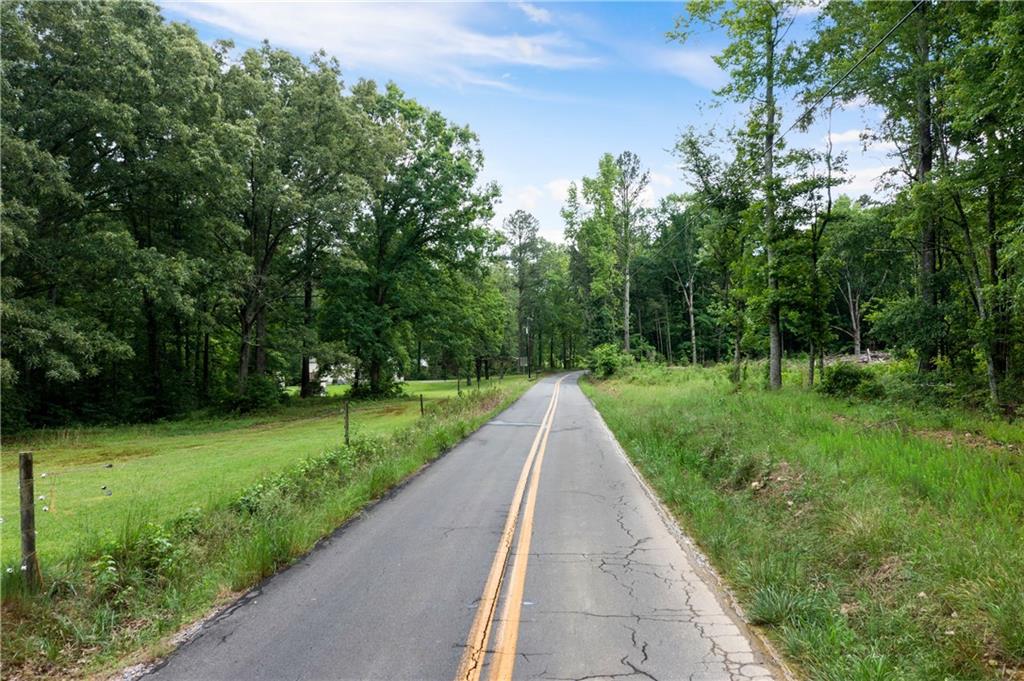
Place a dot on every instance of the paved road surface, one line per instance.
(531, 551)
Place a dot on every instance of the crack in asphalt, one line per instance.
(629, 570)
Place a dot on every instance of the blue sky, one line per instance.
(548, 87)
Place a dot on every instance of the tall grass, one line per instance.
(869, 541)
(120, 596)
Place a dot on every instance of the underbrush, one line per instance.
(871, 541)
(123, 593)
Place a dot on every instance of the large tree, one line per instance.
(520, 230)
(423, 209)
(760, 60)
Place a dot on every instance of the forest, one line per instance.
(189, 226)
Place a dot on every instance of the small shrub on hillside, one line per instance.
(849, 380)
(607, 359)
(261, 392)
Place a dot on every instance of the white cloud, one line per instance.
(863, 181)
(558, 189)
(696, 66)
(659, 180)
(846, 137)
(527, 198)
(428, 40)
(537, 15)
(860, 138)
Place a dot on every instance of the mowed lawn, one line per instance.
(92, 479)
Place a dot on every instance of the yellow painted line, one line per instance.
(472, 660)
(504, 656)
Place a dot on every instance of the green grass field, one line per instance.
(871, 541)
(96, 477)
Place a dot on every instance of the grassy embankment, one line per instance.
(199, 510)
(871, 541)
(97, 477)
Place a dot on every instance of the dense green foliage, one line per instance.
(762, 258)
(874, 541)
(186, 225)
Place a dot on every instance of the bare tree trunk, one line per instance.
(305, 384)
(156, 387)
(810, 364)
(977, 289)
(668, 333)
(736, 358)
(693, 328)
(244, 357)
(853, 301)
(774, 326)
(923, 97)
(625, 310)
(261, 342)
(205, 393)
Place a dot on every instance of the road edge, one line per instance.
(702, 565)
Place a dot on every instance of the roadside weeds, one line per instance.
(122, 600)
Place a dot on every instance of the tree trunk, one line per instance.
(375, 376)
(693, 328)
(668, 333)
(261, 342)
(206, 366)
(658, 345)
(625, 310)
(305, 384)
(974, 279)
(156, 388)
(1000, 310)
(736, 358)
(810, 364)
(853, 303)
(923, 97)
(244, 358)
(774, 325)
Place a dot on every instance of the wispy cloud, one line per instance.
(865, 138)
(696, 66)
(437, 42)
(537, 15)
(558, 189)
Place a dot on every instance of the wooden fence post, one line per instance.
(346, 422)
(458, 385)
(421, 404)
(29, 559)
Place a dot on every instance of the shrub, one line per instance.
(606, 359)
(261, 392)
(846, 380)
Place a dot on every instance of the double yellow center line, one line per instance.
(504, 654)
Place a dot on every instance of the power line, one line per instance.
(807, 112)
(810, 109)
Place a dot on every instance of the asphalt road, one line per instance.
(530, 551)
